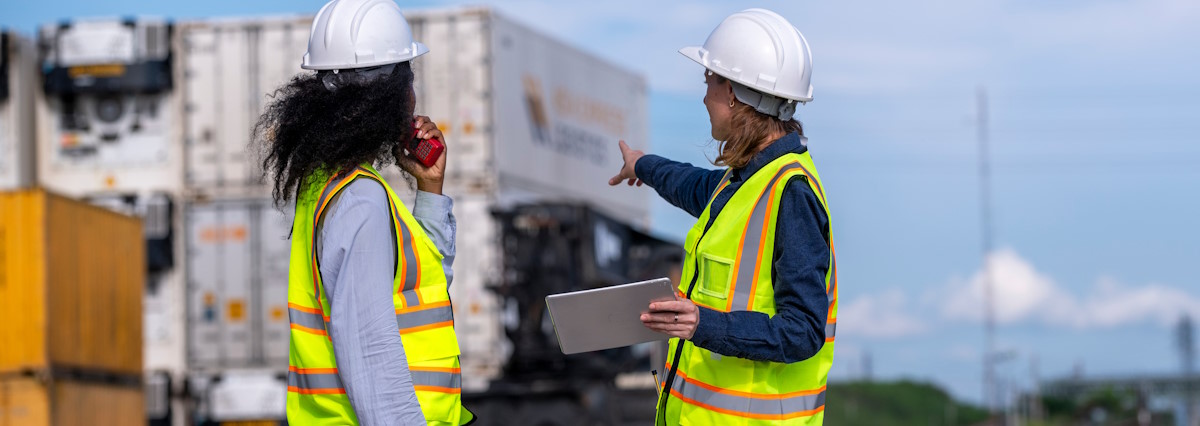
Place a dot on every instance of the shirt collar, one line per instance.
(788, 144)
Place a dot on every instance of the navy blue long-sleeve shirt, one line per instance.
(800, 259)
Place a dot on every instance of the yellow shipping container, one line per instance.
(71, 280)
(26, 401)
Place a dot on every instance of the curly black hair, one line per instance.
(309, 130)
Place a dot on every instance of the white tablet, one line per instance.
(608, 317)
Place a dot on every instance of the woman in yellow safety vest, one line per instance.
(372, 330)
(754, 327)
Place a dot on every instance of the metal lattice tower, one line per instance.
(985, 195)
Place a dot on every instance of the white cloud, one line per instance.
(885, 315)
(1111, 303)
(1022, 294)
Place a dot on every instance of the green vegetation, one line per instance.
(905, 403)
(1101, 407)
(896, 404)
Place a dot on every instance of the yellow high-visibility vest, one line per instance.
(733, 261)
(315, 393)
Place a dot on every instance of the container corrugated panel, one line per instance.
(71, 282)
(26, 401)
(453, 89)
(477, 311)
(274, 257)
(16, 112)
(233, 68)
(237, 284)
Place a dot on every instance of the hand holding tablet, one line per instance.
(608, 317)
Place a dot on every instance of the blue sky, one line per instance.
(1094, 124)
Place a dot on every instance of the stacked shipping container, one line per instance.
(71, 279)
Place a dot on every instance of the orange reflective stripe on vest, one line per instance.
(307, 319)
(314, 381)
(445, 380)
(424, 317)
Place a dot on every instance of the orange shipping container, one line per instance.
(71, 280)
(26, 401)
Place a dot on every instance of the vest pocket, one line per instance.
(714, 275)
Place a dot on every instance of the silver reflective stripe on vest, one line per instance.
(724, 180)
(437, 379)
(830, 329)
(772, 406)
(306, 320)
(411, 268)
(314, 381)
(327, 192)
(832, 293)
(424, 317)
(748, 261)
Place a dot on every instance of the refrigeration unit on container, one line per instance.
(106, 111)
(18, 76)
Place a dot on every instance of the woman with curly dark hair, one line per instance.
(372, 332)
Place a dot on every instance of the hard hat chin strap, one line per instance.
(771, 105)
(335, 79)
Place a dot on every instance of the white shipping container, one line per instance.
(562, 112)
(231, 69)
(526, 117)
(18, 81)
(237, 256)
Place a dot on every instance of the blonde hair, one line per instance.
(748, 132)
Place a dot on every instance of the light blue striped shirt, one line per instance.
(357, 251)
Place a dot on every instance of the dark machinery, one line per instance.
(559, 247)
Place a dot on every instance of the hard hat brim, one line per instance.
(693, 53)
(419, 49)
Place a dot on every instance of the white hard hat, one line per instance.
(760, 51)
(350, 34)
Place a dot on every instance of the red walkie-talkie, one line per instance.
(425, 151)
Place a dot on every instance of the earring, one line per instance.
(731, 103)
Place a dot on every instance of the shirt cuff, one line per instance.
(645, 167)
(432, 207)
(711, 327)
